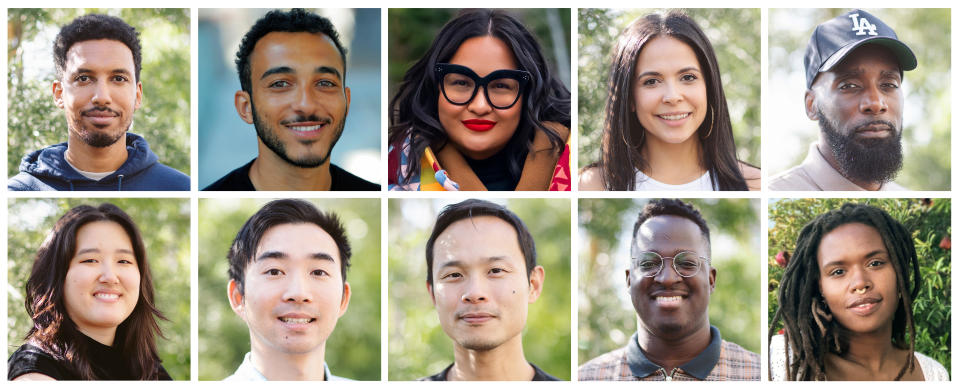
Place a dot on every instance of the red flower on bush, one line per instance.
(781, 331)
(782, 258)
(946, 243)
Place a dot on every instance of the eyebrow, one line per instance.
(683, 70)
(282, 256)
(114, 71)
(328, 70)
(868, 255)
(95, 250)
(289, 70)
(459, 263)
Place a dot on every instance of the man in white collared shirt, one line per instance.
(854, 68)
(288, 283)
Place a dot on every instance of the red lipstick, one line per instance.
(479, 125)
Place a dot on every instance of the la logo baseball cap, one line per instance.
(833, 40)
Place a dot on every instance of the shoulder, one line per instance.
(752, 175)
(604, 367)
(777, 358)
(591, 178)
(25, 181)
(744, 364)
(343, 180)
(32, 363)
(236, 180)
(558, 129)
(932, 370)
(168, 178)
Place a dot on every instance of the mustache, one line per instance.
(307, 119)
(877, 123)
(100, 109)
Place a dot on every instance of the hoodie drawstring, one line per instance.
(120, 183)
(71, 185)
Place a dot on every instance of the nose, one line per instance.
(475, 292)
(873, 101)
(668, 274)
(304, 101)
(860, 282)
(297, 290)
(108, 274)
(671, 93)
(478, 105)
(101, 93)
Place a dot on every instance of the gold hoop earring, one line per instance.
(712, 115)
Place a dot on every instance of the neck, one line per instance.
(671, 352)
(505, 362)
(280, 366)
(827, 154)
(102, 335)
(873, 351)
(673, 164)
(96, 159)
(270, 172)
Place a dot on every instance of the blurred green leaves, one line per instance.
(35, 122)
(165, 226)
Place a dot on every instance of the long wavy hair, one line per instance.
(624, 136)
(57, 334)
(808, 326)
(413, 110)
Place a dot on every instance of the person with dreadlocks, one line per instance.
(845, 301)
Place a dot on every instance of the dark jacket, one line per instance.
(47, 169)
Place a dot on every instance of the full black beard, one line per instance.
(864, 160)
(267, 134)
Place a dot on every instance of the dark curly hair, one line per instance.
(94, 27)
(281, 212)
(809, 330)
(57, 334)
(671, 207)
(413, 110)
(295, 20)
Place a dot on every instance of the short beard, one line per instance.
(95, 137)
(267, 135)
(864, 160)
(480, 344)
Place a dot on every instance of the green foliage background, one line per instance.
(606, 315)
(164, 117)
(407, 45)
(735, 36)
(927, 99)
(164, 224)
(352, 351)
(930, 223)
(418, 346)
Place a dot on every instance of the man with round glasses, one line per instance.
(670, 280)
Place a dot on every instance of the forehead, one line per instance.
(295, 50)
(101, 232)
(849, 242)
(668, 234)
(665, 53)
(475, 239)
(484, 55)
(869, 56)
(100, 54)
(296, 241)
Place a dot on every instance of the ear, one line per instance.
(810, 101)
(347, 91)
(345, 302)
(136, 105)
(536, 278)
(58, 94)
(235, 297)
(429, 288)
(243, 106)
(628, 279)
(712, 279)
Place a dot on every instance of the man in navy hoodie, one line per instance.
(97, 60)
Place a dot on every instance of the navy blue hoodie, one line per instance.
(47, 169)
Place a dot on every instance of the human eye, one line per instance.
(687, 264)
(89, 260)
(451, 276)
(688, 77)
(279, 84)
(320, 272)
(876, 263)
(119, 78)
(273, 272)
(125, 261)
(848, 86)
(326, 84)
(650, 82)
(498, 271)
(837, 272)
(83, 78)
(649, 264)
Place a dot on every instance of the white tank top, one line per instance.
(645, 183)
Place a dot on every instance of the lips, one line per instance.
(100, 116)
(476, 318)
(864, 306)
(308, 128)
(106, 296)
(479, 125)
(296, 319)
(878, 129)
(674, 116)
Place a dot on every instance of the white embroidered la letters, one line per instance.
(861, 25)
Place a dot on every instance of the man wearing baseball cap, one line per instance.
(854, 70)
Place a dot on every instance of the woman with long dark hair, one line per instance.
(845, 302)
(667, 125)
(90, 296)
(480, 110)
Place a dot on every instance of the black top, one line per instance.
(538, 375)
(107, 363)
(494, 171)
(340, 180)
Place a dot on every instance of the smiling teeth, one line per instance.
(296, 320)
(675, 117)
(669, 298)
(106, 296)
(306, 128)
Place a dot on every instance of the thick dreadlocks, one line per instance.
(809, 329)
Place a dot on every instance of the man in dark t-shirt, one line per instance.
(292, 71)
